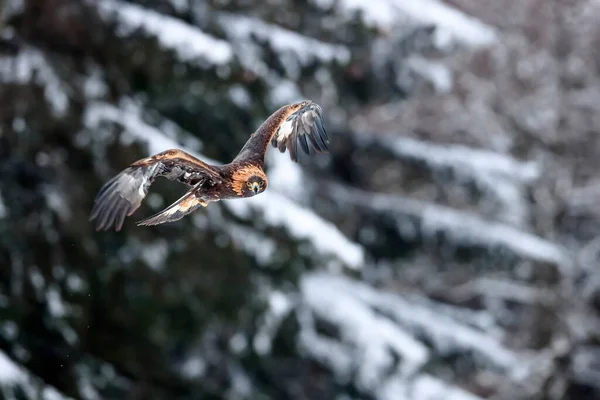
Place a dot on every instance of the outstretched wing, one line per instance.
(303, 126)
(292, 126)
(185, 205)
(123, 194)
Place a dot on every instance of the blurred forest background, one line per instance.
(447, 248)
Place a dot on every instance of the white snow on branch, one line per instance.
(188, 41)
(275, 209)
(501, 175)
(375, 349)
(438, 74)
(285, 176)
(422, 387)
(460, 226)
(262, 247)
(155, 254)
(282, 40)
(180, 5)
(504, 289)
(375, 340)
(3, 210)
(280, 305)
(302, 223)
(13, 376)
(31, 66)
(464, 28)
(444, 332)
(388, 13)
(461, 159)
(11, 8)
(282, 91)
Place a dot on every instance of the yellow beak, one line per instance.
(255, 187)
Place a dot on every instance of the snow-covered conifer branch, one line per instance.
(385, 14)
(30, 65)
(461, 227)
(499, 175)
(188, 41)
(376, 327)
(13, 376)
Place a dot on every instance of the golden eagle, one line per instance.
(300, 122)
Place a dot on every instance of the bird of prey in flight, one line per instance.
(292, 126)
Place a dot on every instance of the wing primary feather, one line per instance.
(304, 126)
(118, 196)
(304, 144)
(120, 215)
(314, 143)
(322, 145)
(321, 135)
(293, 146)
(113, 213)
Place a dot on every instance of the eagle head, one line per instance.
(255, 184)
(248, 180)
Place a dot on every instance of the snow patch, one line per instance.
(283, 91)
(375, 325)
(386, 14)
(285, 176)
(282, 40)
(376, 340)
(13, 376)
(240, 96)
(460, 226)
(464, 28)
(438, 74)
(422, 387)
(261, 247)
(3, 210)
(462, 159)
(56, 306)
(56, 202)
(193, 368)
(277, 210)
(155, 254)
(189, 42)
(500, 174)
(180, 5)
(30, 65)
(94, 86)
(280, 306)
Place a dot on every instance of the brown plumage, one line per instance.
(293, 124)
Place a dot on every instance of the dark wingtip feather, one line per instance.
(110, 209)
(314, 131)
(304, 144)
(307, 132)
(321, 135)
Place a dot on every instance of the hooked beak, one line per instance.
(255, 187)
